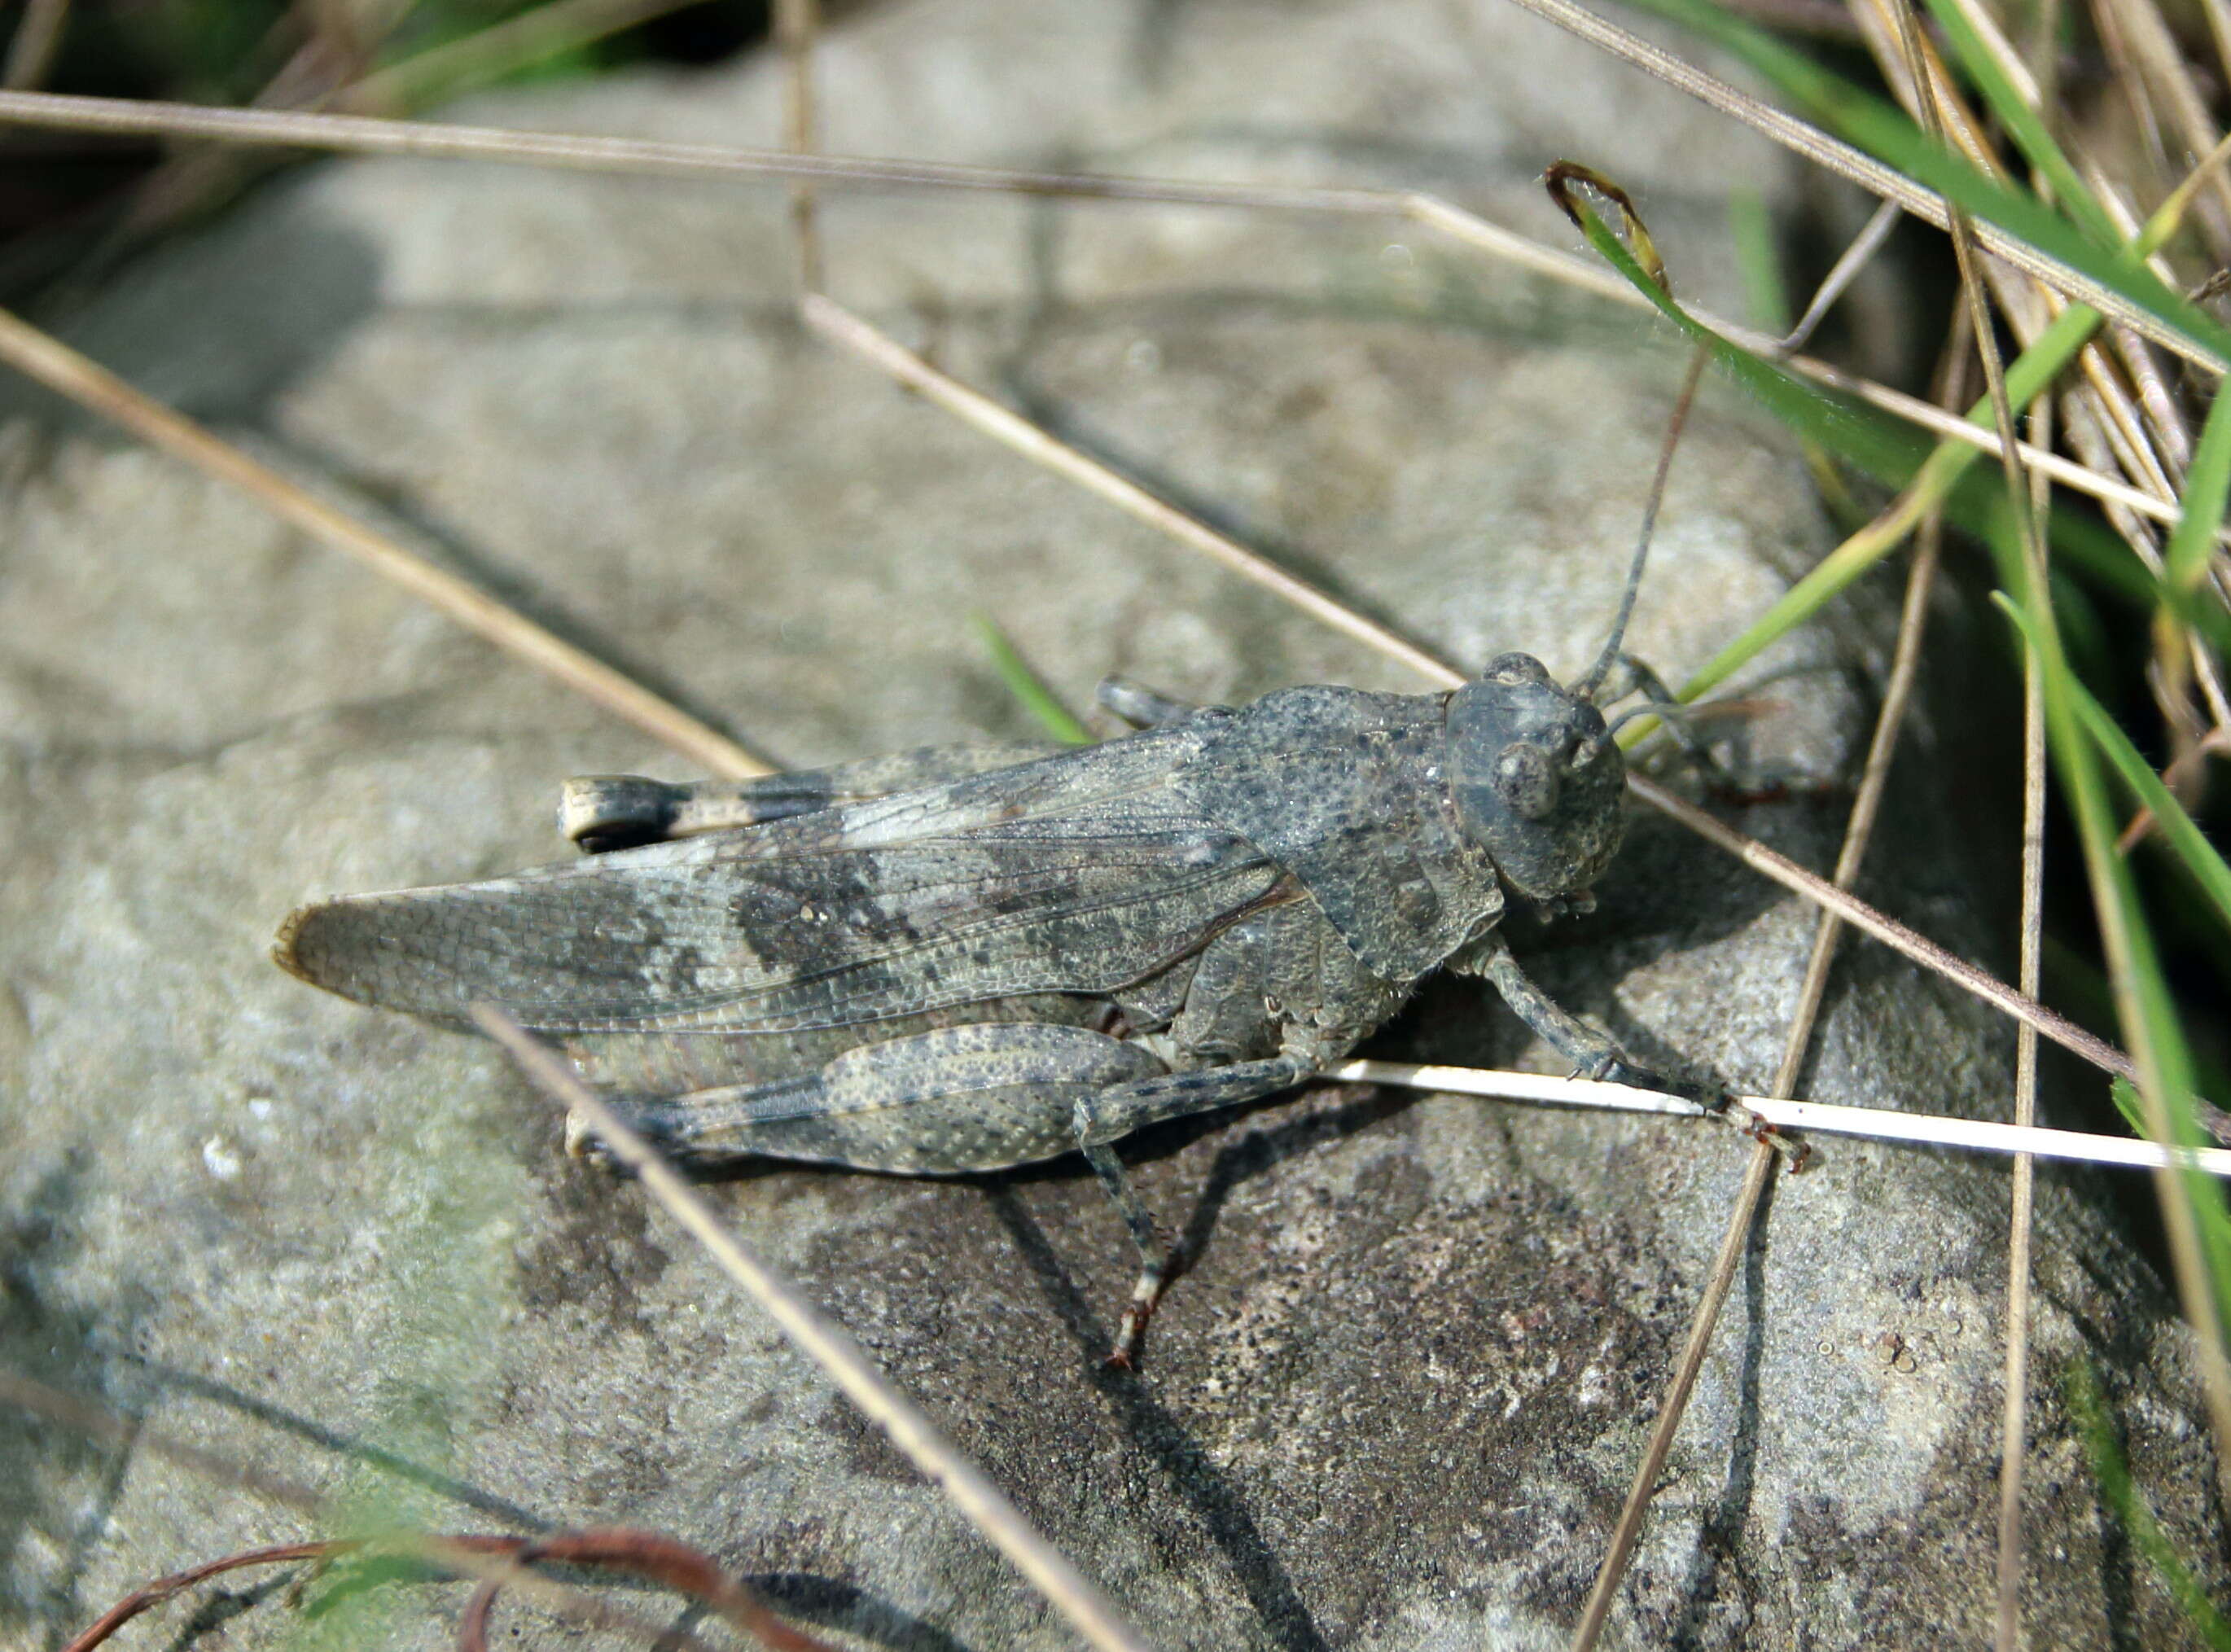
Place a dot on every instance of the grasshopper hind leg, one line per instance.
(982, 1096)
(1158, 1258)
(978, 1097)
(1100, 1121)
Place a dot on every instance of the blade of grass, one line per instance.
(1885, 133)
(495, 52)
(1891, 454)
(1750, 234)
(2016, 109)
(1026, 686)
(2089, 1408)
(1874, 176)
(1936, 480)
(2201, 858)
(797, 22)
(31, 49)
(2215, 1220)
(2192, 543)
(2142, 1003)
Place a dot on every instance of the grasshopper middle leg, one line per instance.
(1138, 705)
(1593, 1053)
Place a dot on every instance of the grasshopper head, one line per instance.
(1538, 780)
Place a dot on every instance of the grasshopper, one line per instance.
(965, 958)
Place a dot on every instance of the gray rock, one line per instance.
(1397, 1400)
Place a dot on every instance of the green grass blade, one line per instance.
(1886, 448)
(2192, 1203)
(1027, 687)
(2206, 488)
(1895, 454)
(2190, 843)
(1884, 132)
(2089, 1409)
(1984, 68)
(1751, 231)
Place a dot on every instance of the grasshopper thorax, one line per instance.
(1536, 778)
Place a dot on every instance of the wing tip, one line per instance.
(297, 950)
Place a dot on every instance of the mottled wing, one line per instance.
(788, 928)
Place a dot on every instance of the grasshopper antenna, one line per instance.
(1594, 680)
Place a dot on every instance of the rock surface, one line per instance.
(1396, 1402)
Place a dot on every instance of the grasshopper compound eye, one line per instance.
(1526, 780)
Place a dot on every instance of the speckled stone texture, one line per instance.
(1396, 1402)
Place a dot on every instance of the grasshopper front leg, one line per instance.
(1594, 1056)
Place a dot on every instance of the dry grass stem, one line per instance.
(643, 1554)
(2030, 307)
(797, 22)
(1629, 1527)
(2014, 1428)
(637, 157)
(2093, 480)
(830, 1346)
(2215, 742)
(61, 369)
(1786, 1114)
(1886, 929)
(2159, 60)
(653, 1558)
(31, 48)
(840, 326)
(1867, 803)
(363, 135)
(1853, 259)
(150, 1596)
(1859, 830)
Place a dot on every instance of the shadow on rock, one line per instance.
(1159, 1436)
(830, 1604)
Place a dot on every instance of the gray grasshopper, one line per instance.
(965, 958)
